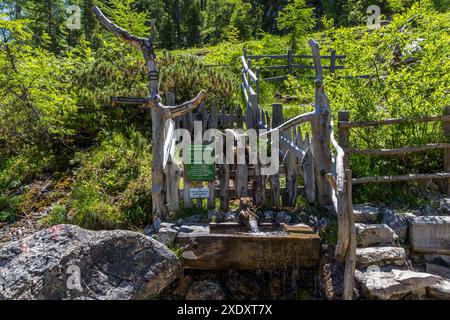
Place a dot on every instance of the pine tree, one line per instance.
(297, 19)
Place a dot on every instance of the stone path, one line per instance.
(384, 270)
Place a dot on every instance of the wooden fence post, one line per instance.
(212, 184)
(257, 89)
(321, 132)
(173, 172)
(290, 61)
(277, 119)
(446, 126)
(308, 172)
(290, 164)
(332, 61)
(344, 135)
(253, 110)
(350, 264)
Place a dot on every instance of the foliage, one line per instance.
(296, 18)
(57, 215)
(112, 186)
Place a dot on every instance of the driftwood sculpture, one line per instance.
(160, 113)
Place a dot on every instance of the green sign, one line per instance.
(198, 170)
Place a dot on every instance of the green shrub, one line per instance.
(57, 215)
(9, 208)
(112, 187)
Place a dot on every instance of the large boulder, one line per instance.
(397, 221)
(438, 265)
(364, 213)
(374, 234)
(67, 262)
(430, 234)
(205, 290)
(396, 284)
(380, 256)
(440, 291)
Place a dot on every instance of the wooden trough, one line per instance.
(230, 246)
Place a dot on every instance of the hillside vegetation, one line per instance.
(57, 122)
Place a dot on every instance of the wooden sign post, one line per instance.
(160, 112)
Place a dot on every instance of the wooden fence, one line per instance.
(233, 181)
(291, 64)
(344, 140)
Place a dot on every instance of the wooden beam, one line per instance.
(363, 124)
(124, 35)
(128, 100)
(408, 177)
(182, 109)
(397, 151)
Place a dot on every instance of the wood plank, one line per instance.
(446, 127)
(363, 124)
(397, 151)
(400, 178)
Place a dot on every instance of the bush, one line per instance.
(57, 215)
(112, 187)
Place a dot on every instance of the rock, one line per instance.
(182, 287)
(242, 285)
(444, 207)
(194, 219)
(380, 256)
(440, 290)
(67, 262)
(231, 217)
(168, 233)
(364, 213)
(205, 290)
(268, 216)
(428, 211)
(149, 230)
(438, 265)
(374, 234)
(430, 234)
(395, 284)
(283, 217)
(397, 221)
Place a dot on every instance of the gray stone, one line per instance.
(429, 211)
(363, 213)
(268, 216)
(430, 234)
(67, 262)
(168, 233)
(375, 234)
(149, 230)
(397, 221)
(438, 264)
(440, 291)
(444, 207)
(380, 256)
(396, 284)
(231, 217)
(283, 217)
(194, 219)
(205, 290)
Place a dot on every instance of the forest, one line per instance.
(59, 131)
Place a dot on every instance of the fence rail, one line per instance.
(344, 140)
